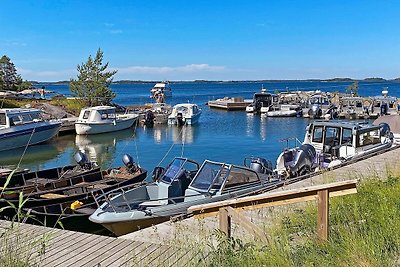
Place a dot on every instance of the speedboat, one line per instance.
(354, 107)
(180, 186)
(384, 105)
(103, 119)
(318, 105)
(332, 143)
(184, 114)
(162, 89)
(261, 101)
(20, 127)
(157, 114)
(284, 110)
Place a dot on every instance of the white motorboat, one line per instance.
(317, 106)
(261, 101)
(384, 105)
(283, 110)
(182, 114)
(161, 90)
(331, 143)
(102, 119)
(24, 126)
(178, 187)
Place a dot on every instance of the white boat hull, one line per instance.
(19, 136)
(188, 120)
(100, 127)
(282, 113)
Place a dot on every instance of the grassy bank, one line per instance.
(72, 106)
(364, 231)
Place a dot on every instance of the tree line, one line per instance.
(92, 83)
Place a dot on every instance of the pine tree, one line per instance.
(9, 79)
(93, 81)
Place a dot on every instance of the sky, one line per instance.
(211, 40)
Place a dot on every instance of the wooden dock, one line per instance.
(236, 103)
(43, 246)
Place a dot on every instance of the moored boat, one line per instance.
(20, 127)
(184, 114)
(176, 190)
(103, 119)
(329, 144)
(262, 101)
(160, 91)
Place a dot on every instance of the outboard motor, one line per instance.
(157, 173)
(82, 160)
(385, 129)
(129, 163)
(149, 118)
(303, 160)
(315, 111)
(179, 118)
(384, 109)
(260, 165)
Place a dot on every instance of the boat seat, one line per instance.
(52, 196)
(154, 203)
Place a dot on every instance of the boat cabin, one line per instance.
(97, 114)
(18, 116)
(344, 139)
(219, 178)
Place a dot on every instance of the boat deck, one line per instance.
(67, 248)
(230, 103)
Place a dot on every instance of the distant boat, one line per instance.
(102, 119)
(22, 126)
(261, 101)
(161, 89)
(184, 114)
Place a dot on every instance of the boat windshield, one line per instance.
(176, 168)
(208, 176)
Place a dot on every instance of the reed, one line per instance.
(364, 231)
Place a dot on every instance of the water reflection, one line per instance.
(183, 135)
(249, 124)
(263, 127)
(103, 147)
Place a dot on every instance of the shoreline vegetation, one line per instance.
(371, 79)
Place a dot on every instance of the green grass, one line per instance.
(364, 231)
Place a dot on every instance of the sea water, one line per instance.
(224, 136)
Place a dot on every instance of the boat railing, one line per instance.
(291, 140)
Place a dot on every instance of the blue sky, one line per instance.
(215, 40)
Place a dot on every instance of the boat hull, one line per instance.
(188, 120)
(289, 113)
(20, 136)
(96, 128)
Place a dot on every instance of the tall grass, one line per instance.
(364, 231)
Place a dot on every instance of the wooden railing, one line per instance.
(229, 209)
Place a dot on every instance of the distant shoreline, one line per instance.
(243, 81)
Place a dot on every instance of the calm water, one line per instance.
(220, 135)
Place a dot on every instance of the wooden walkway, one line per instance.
(43, 246)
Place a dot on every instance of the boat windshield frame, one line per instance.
(175, 169)
(203, 175)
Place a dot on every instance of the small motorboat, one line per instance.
(262, 101)
(68, 183)
(179, 187)
(284, 110)
(354, 107)
(20, 127)
(76, 203)
(157, 114)
(184, 114)
(328, 144)
(103, 119)
(384, 105)
(318, 105)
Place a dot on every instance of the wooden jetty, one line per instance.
(227, 103)
(44, 246)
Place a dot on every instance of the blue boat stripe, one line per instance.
(28, 131)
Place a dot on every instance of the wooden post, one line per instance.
(323, 214)
(225, 221)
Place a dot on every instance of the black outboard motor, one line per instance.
(82, 160)
(129, 163)
(385, 129)
(259, 165)
(149, 118)
(384, 109)
(157, 173)
(180, 120)
(303, 161)
(315, 111)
